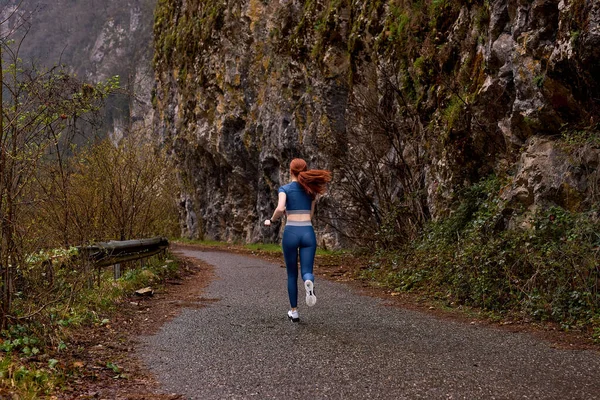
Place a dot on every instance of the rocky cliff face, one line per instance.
(95, 40)
(410, 100)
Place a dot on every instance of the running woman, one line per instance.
(297, 201)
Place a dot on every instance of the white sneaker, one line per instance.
(311, 299)
(293, 316)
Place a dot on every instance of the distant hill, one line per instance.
(95, 39)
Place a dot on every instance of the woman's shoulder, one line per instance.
(290, 187)
(284, 188)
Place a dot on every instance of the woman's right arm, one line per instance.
(280, 210)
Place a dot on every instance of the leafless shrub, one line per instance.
(379, 164)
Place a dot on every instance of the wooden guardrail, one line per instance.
(114, 253)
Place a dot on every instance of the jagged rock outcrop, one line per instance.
(547, 173)
(467, 89)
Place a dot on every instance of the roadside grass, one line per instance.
(270, 248)
(208, 243)
(30, 381)
(276, 248)
(266, 247)
(36, 351)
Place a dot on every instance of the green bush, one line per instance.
(548, 271)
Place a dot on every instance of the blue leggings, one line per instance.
(300, 238)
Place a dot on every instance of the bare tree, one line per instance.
(34, 108)
(379, 164)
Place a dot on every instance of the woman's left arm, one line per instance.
(312, 208)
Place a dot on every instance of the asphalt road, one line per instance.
(348, 346)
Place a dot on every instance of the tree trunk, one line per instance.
(3, 244)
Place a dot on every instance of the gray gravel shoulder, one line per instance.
(348, 346)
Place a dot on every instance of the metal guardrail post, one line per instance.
(87, 266)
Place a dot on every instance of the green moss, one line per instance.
(538, 80)
(452, 112)
(419, 66)
(398, 23)
(179, 35)
(482, 17)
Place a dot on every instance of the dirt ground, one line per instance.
(103, 361)
(114, 343)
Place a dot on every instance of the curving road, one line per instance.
(346, 347)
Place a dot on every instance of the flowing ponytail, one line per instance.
(313, 181)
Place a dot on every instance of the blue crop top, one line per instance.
(297, 201)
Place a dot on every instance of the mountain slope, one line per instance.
(95, 40)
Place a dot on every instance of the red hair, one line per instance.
(313, 181)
